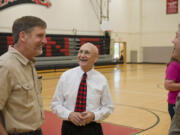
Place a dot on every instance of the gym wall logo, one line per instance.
(8, 3)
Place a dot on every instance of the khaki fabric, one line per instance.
(175, 123)
(20, 93)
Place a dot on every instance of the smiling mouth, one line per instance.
(83, 60)
(40, 47)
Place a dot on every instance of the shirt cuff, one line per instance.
(96, 116)
(67, 115)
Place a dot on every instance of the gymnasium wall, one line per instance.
(140, 23)
(145, 24)
(62, 17)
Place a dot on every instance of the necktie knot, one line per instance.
(85, 75)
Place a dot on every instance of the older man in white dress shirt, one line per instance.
(82, 113)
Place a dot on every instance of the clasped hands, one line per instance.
(81, 118)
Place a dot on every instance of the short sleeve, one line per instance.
(4, 85)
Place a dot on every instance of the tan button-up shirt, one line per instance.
(20, 93)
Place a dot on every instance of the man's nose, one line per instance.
(44, 40)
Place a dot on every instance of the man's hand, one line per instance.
(76, 118)
(87, 117)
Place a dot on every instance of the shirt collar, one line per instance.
(19, 56)
(81, 72)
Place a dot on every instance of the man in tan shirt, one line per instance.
(20, 88)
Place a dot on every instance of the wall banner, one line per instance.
(172, 7)
(8, 3)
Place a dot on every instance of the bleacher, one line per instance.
(61, 50)
(67, 61)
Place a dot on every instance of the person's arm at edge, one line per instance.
(171, 85)
(3, 97)
(172, 73)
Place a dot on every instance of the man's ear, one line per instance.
(22, 36)
(96, 58)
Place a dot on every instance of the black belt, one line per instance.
(36, 132)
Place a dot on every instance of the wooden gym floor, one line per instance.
(137, 91)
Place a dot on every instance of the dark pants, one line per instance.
(93, 128)
(36, 132)
(171, 110)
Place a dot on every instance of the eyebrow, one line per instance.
(84, 50)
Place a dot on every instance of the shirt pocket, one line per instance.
(28, 88)
(24, 93)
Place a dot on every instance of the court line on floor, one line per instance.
(145, 109)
